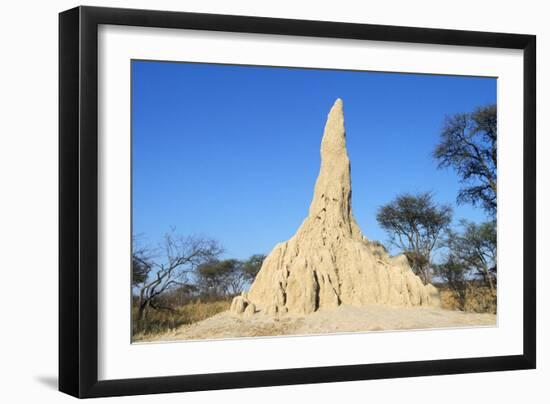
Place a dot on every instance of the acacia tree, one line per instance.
(476, 249)
(414, 224)
(219, 278)
(222, 278)
(252, 266)
(468, 144)
(170, 268)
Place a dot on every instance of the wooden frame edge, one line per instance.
(78, 362)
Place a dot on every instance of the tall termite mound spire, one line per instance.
(331, 202)
(328, 262)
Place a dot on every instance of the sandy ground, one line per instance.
(343, 319)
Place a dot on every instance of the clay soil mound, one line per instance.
(329, 262)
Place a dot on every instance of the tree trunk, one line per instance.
(461, 297)
(425, 275)
(490, 280)
(141, 311)
(428, 275)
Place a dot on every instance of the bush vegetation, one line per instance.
(161, 321)
(477, 299)
(466, 264)
(183, 281)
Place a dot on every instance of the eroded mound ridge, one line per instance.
(328, 262)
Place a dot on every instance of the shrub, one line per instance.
(478, 299)
(161, 321)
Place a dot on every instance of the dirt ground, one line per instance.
(343, 319)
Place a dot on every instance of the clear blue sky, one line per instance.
(232, 152)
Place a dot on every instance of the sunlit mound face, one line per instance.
(328, 262)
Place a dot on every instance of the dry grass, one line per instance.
(478, 299)
(162, 321)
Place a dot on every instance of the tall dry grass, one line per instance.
(478, 299)
(161, 321)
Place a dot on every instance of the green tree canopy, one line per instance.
(468, 144)
(453, 272)
(476, 249)
(414, 223)
(252, 266)
(221, 277)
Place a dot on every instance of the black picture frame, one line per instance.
(78, 201)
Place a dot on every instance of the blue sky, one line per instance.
(232, 152)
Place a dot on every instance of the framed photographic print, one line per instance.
(214, 235)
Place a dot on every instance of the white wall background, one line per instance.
(28, 198)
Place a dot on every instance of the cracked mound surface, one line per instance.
(328, 262)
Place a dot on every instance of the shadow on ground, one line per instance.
(48, 381)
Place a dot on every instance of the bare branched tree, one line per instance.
(140, 267)
(170, 267)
